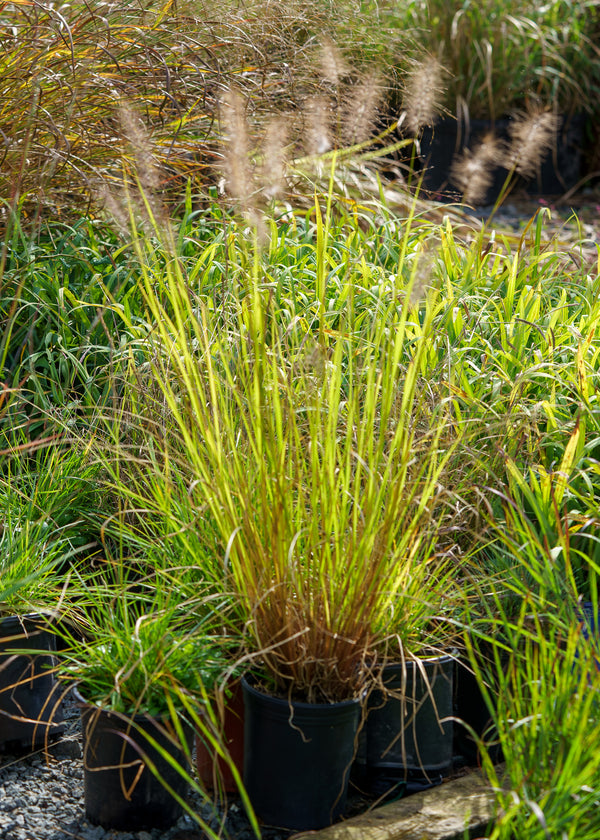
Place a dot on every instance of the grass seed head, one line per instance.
(473, 171)
(317, 131)
(236, 162)
(332, 64)
(531, 136)
(423, 91)
(362, 107)
(140, 144)
(274, 157)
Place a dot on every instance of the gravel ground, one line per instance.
(41, 798)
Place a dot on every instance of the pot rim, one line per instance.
(250, 678)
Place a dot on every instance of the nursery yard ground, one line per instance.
(41, 798)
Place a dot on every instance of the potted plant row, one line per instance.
(143, 667)
(484, 71)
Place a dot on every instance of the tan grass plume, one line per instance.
(317, 125)
(136, 197)
(140, 147)
(361, 110)
(423, 90)
(236, 159)
(532, 134)
(274, 158)
(332, 63)
(473, 171)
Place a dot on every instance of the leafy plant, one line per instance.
(46, 526)
(502, 57)
(312, 459)
(545, 712)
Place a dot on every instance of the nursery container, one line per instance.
(30, 696)
(297, 758)
(213, 772)
(121, 792)
(409, 729)
(473, 718)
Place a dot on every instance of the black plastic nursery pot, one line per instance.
(297, 758)
(408, 729)
(474, 722)
(120, 790)
(30, 696)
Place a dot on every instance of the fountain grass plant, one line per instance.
(65, 69)
(311, 416)
(139, 651)
(303, 445)
(502, 56)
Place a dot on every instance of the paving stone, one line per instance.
(440, 813)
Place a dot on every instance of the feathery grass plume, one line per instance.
(332, 63)
(140, 145)
(473, 171)
(532, 134)
(114, 204)
(272, 174)
(422, 272)
(423, 90)
(236, 162)
(134, 196)
(361, 108)
(317, 134)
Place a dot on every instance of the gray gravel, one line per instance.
(41, 797)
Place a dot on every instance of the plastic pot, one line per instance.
(473, 717)
(409, 730)
(120, 790)
(297, 758)
(213, 772)
(30, 696)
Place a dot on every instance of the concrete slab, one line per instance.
(446, 812)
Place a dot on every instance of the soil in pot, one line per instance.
(120, 790)
(409, 729)
(297, 758)
(30, 696)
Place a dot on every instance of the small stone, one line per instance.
(66, 748)
(95, 833)
(144, 835)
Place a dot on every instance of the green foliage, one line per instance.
(47, 502)
(547, 717)
(302, 442)
(140, 646)
(504, 56)
(63, 297)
